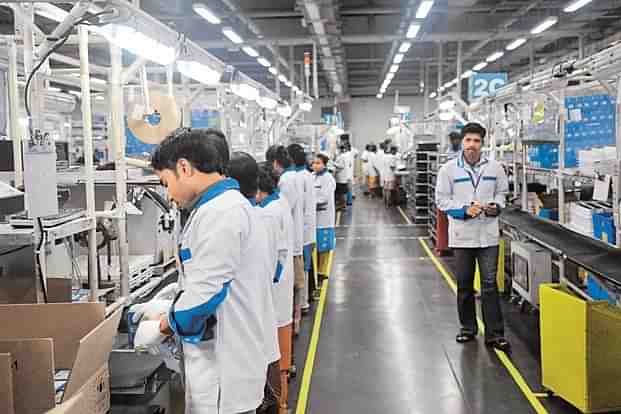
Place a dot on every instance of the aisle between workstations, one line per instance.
(387, 339)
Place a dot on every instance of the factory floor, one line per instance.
(386, 337)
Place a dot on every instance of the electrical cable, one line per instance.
(38, 259)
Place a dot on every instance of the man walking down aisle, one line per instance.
(471, 190)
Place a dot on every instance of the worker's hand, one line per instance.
(164, 326)
(149, 310)
(474, 210)
(492, 210)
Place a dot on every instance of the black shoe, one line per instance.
(465, 336)
(500, 344)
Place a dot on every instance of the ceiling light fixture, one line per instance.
(575, 5)
(206, 13)
(282, 78)
(494, 57)
(424, 9)
(49, 11)
(306, 106)
(199, 72)
(267, 102)
(412, 31)
(516, 43)
(264, 62)
(433, 95)
(467, 74)
(250, 51)
(137, 43)
(273, 71)
(394, 69)
(405, 46)
(390, 76)
(545, 25)
(398, 58)
(245, 91)
(480, 66)
(232, 36)
(379, 96)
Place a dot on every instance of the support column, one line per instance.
(532, 56)
(581, 47)
(440, 66)
(292, 73)
(459, 68)
(426, 91)
(277, 66)
(15, 129)
(87, 131)
(118, 147)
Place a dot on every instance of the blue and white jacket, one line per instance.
(459, 185)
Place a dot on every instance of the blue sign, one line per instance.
(486, 84)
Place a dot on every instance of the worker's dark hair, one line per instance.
(455, 135)
(219, 140)
(474, 128)
(324, 158)
(296, 152)
(382, 145)
(373, 148)
(279, 154)
(368, 147)
(199, 146)
(244, 168)
(266, 181)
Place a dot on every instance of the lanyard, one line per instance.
(476, 183)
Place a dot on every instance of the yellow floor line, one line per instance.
(314, 342)
(513, 371)
(405, 216)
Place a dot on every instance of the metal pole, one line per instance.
(185, 110)
(524, 178)
(87, 122)
(459, 67)
(170, 79)
(14, 127)
(561, 158)
(315, 76)
(427, 89)
(531, 56)
(581, 47)
(616, 182)
(292, 73)
(277, 66)
(118, 146)
(440, 66)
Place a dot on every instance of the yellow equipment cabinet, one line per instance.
(580, 350)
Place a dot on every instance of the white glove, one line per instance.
(167, 293)
(150, 310)
(148, 335)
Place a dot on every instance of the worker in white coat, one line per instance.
(244, 169)
(291, 186)
(471, 190)
(220, 310)
(299, 159)
(278, 209)
(325, 186)
(341, 164)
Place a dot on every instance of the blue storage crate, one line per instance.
(549, 213)
(599, 291)
(604, 227)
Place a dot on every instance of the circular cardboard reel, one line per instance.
(152, 125)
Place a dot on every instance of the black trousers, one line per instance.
(490, 299)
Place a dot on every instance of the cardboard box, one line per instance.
(93, 397)
(43, 338)
(7, 389)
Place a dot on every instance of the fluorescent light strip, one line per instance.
(575, 5)
(516, 43)
(232, 36)
(545, 25)
(206, 13)
(412, 31)
(379, 96)
(433, 95)
(466, 74)
(394, 69)
(494, 57)
(480, 66)
(405, 46)
(390, 76)
(250, 51)
(199, 72)
(282, 78)
(424, 9)
(49, 11)
(273, 70)
(264, 62)
(398, 58)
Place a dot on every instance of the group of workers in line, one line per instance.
(245, 256)
(379, 170)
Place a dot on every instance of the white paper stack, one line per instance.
(581, 218)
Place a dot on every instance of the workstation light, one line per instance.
(424, 8)
(494, 56)
(250, 51)
(545, 25)
(245, 91)
(575, 5)
(405, 46)
(412, 31)
(264, 62)
(206, 13)
(480, 66)
(516, 43)
(199, 72)
(232, 36)
(137, 43)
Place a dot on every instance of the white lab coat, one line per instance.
(325, 186)
(380, 166)
(342, 172)
(310, 213)
(222, 247)
(364, 158)
(372, 167)
(282, 287)
(458, 185)
(291, 186)
(389, 163)
(351, 168)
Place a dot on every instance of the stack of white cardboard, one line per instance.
(54, 358)
(581, 218)
(597, 160)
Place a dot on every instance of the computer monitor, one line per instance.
(6, 156)
(62, 151)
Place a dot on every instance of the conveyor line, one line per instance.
(593, 255)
